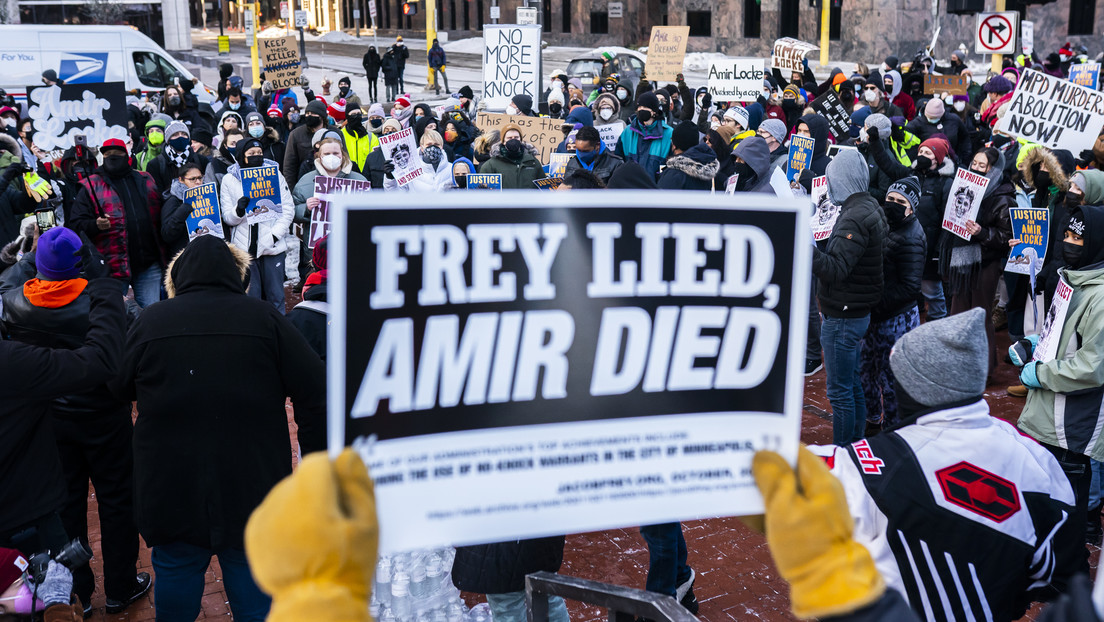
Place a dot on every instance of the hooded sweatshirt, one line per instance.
(818, 128)
(755, 153)
(692, 169)
(631, 176)
(606, 97)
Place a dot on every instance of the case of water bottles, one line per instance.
(417, 587)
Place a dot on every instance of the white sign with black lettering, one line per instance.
(736, 79)
(521, 365)
(511, 63)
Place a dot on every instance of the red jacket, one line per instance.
(98, 198)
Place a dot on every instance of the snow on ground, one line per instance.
(471, 45)
(338, 36)
(699, 61)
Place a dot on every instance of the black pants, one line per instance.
(373, 89)
(45, 533)
(1071, 551)
(99, 448)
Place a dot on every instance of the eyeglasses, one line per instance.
(193, 179)
(870, 88)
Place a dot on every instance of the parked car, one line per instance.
(589, 68)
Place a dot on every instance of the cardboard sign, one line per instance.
(825, 213)
(964, 201)
(280, 61)
(557, 164)
(736, 79)
(541, 132)
(548, 183)
(1085, 74)
(937, 85)
(399, 148)
(262, 185)
(1055, 113)
(511, 63)
(484, 181)
(831, 108)
(788, 54)
(801, 154)
(520, 364)
(1047, 348)
(611, 133)
(61, 112)
(204, 215)
(325, 189)
(666, 52)
(1031, 226)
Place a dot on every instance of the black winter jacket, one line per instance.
(818, 128)
(299, 149)
(501, 568)
(371, 64)
(902, 269)
(693, 169)
(164, 171)
(312, 319)
(605, 163)
(211, 369)
(951, 127)
(850, 269)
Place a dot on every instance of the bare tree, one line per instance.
(9, 12)
(105, 11)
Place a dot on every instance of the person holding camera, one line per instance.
(14, 201)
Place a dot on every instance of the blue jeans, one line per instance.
(266, 280)
(146, 284)
(178, 587)
(840, 338)
(667, 567)
(937, 302)
(510, 607)
(1095, 496)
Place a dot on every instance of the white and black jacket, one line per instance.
(963, 515)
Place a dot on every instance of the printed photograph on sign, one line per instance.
(262, 185)
(511, 63)
(666, 52)
(325, 189)
(400, 150)
(1047, 348)
(547, 375)
(963, 202)
(1053, 112)
(1031, 227)
(825, 213)
(731, 183)
(204, 215)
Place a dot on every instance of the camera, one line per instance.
(80, 139)
(72, 556)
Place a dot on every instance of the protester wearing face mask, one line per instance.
(433, 154)
(231, 120)
(752, 158)
(263, 241)
(155, 141)
(998, 90)
(238, 101)
(177, 153)
(269, 137)
(224, 158)
(181, 106)
(119, 209)
(362, 145)
(647, 139)
(703, 103)
(459, 135)
(875, 98)
(936, 119)
(556, 105)
(9, 119)
(401, 111)
(521, 105)
(515, 159)
(300, 145)
(332, 161)
(623, 93)
(592, 155)
(460, 169)
(774, 132)
(606, 110)
(345, 91)
(376, 117)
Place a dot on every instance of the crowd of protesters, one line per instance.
(904, 321)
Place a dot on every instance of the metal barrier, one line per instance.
(623, 603)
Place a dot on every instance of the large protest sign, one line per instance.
(400, 150)
(801, 154)
(1047, 348)
(1085, 74)
(541, 132)
(513, 366)
(1031, 226)
(611, 133)
(831, 108)
(937, 85)
(666, 52)
(736, 79)
(280, 61)
(204, 216)
(484, 181)
(262, 185)
(1053, 112)
(788, 54)
(98, 111)
(825, 213)
(964, 201)
(511, 63)
(325, 189)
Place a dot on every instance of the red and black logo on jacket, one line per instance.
(979, 491)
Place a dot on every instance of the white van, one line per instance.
(87, 54)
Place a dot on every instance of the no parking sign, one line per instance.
(996, 33)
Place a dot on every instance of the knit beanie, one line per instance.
(685, 135)
(57, 257)
(939, 147)
(848, 174)
(523, 102)
(740, 114)
(176, 126)
(251, 117)
(999, 85)
(943, 361)
(908, 187)
(648, 100)
(774, 127)
(934, 109)
(321, 254)
(275, 111)
(376, 110)
(337, 110)
(161, 123)
(316, 107)
(466, 91)
(881, 122)
(556, 95)
(403, 101)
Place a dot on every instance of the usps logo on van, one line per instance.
(83, 68)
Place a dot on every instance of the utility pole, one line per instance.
(825, 19)
(431, 34)
(998, 59)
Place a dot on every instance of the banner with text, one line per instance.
(280, 61)
(788, 54)
(541, 132)
(1085, 74)
(511, 63)
(963, 202)
(204, 216)
(831, 108)
(59, 113)
(1053, 112)
(611, 133)
(666, 52)
(954, 85)
(484, 181)
(736, 79)
(801, 153)
(262, 185)
(399, 148)
(522, 365)
(1031, 226)
(325, 189)
(825, 213)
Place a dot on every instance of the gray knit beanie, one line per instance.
(943, 361)
(776, 128)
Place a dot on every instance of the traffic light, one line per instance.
(410, 8)
(965, 7)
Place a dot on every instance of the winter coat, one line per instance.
(14, 202)
(34, 376)
(501, 568)
(902, 269)
(390, 68)
(880, 181)
(995, 220)
(401, 54)
(850, 269)
(216, 169)
(648, 146)
(951, 127)
(211, 367)
(628, 110)
(818, 128)
(371, 64)
(299, 149)
(270, 234)
(311, 318)
(360, 147)
(605, 163)
(436, 56)
(755, 154)
(163, 170)
(693, 169)
(305, 188)
(515, 175)
(98, 197)
(272, 148)
(174, 219)
(612, 99)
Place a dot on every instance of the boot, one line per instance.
(1017, 390)
(1094, 531)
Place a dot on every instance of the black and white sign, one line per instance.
(511, 63)
(996, 33)
(1053, 112)
(831, 108)
(513, 366)
(61, 112)
(736, 79)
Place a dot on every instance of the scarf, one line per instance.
(178, 158)
(432, 155)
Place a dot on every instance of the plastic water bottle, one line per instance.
(456, 612)
(418, 585)
(387, 616)
(383, 582)
(434, 583)
(401, 603)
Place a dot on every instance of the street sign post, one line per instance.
(996, 33)
(526, 15)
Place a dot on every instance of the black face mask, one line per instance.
(254, 161)
(555, 108)
(461, 181)
(895, 213)
(1042, 181)
(343, 90)
(1073, 200)
(513, 149)
(644, 116)
(746, 173)
(116, 165)
(1073, 254)
(789, 105)
(174, 101)
(354, 122)
(312, 121)
(1000, 140)
(376, 123)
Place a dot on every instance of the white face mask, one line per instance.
(9, 122)
(622, 93)
(863, 136)
(960, 106)
(714, 125)
(870, 96)
(331, 162)
(512, 110)
(556, 84)
(605, 113)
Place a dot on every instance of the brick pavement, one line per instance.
(736, 577)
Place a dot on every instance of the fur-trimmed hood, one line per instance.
(207, 263)
(947, 169)
(698, 162)
(11, 145)
(1042, 155)
(496, 151)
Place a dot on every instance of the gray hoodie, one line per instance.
(847, 175)
(754, 151)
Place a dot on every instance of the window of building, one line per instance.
(751, 19)
(479, 14)
(700, 23)
(788, 14)
(1082, 17)
(546, 18)
(452, 14)
(835, 14)
(566, 17)
(599, 23)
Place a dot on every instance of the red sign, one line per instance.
(996, 34)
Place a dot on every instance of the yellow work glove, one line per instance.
(312, 542)
(809, 530)
(37, 188)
